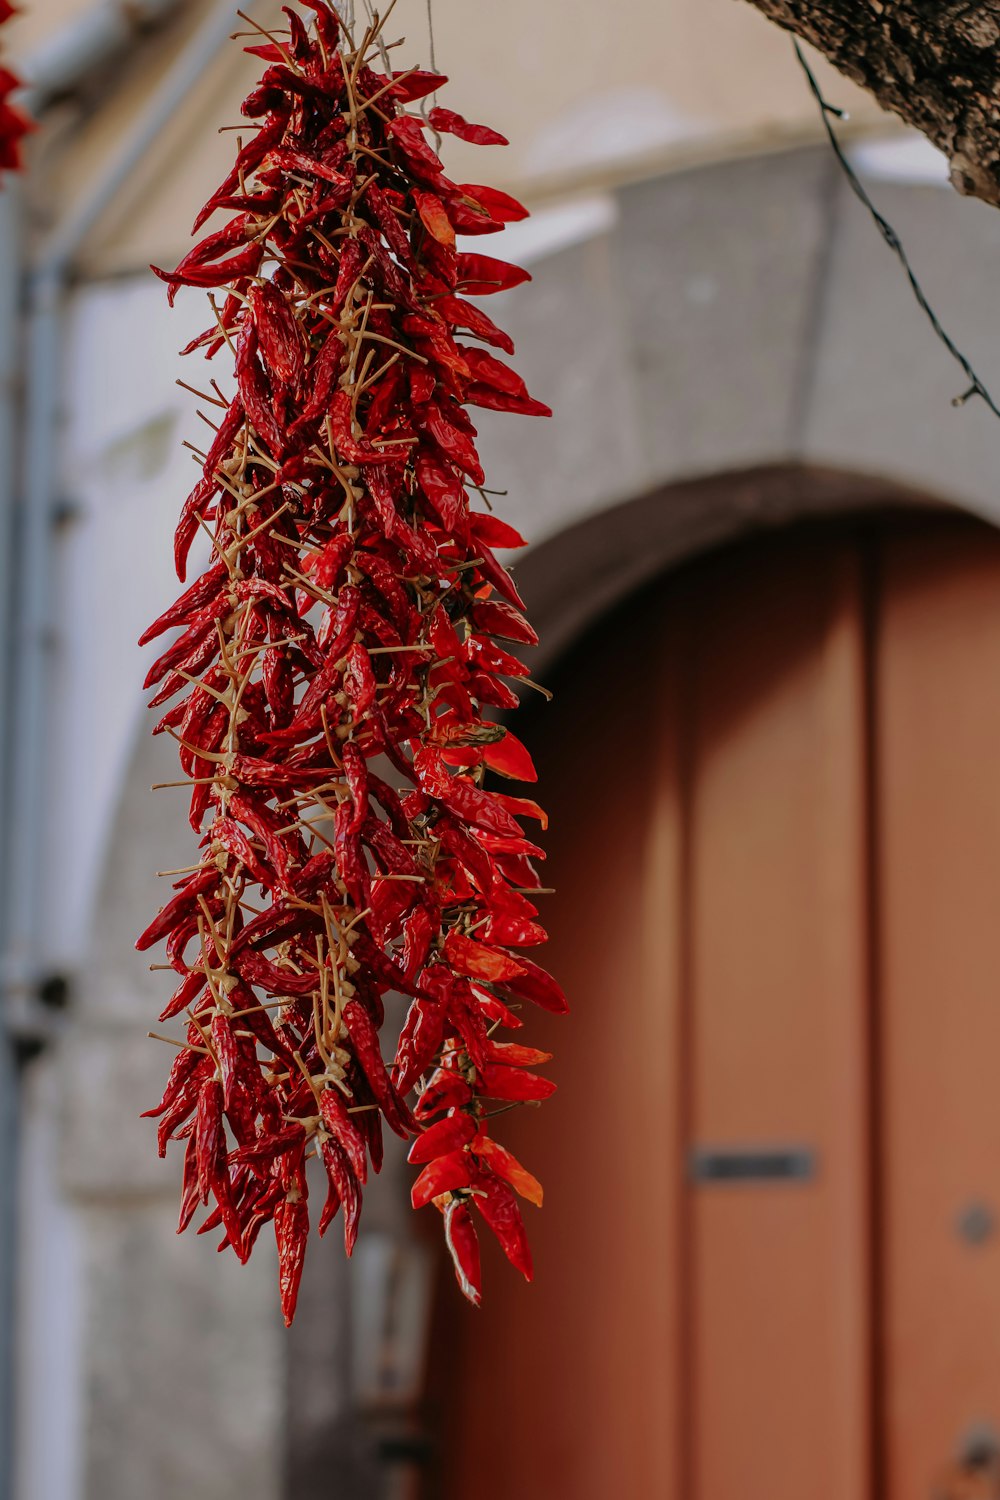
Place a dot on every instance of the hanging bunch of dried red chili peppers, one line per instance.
(13, 124)
(352, 609)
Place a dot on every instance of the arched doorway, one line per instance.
(769, 1263)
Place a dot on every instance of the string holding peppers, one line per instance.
(352, 611)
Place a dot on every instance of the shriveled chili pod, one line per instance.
(14, 124)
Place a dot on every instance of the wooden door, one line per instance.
(767, 1265)
(938, 732)
(776, 1359)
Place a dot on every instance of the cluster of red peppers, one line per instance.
(339, 663)
(13, 124)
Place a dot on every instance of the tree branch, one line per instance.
(935, 63)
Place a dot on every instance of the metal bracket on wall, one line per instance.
(31, 1014)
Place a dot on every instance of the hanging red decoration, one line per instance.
(14, 126)
(353, 611)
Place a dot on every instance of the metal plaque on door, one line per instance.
(752, 1164)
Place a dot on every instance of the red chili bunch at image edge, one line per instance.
(14, 126)
(334, 683)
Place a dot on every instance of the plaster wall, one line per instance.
(583, 92)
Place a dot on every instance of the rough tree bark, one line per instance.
(935, 63)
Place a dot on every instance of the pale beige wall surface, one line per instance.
(586, 92)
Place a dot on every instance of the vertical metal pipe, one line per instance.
(9, 1131)
(86, 44)
(32, 643)
(10, 277)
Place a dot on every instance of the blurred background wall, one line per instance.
(729, 350)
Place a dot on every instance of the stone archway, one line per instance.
(571, 578)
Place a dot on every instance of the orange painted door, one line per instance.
(775, 1063)
(937, 676)
(572, 1387)
(767, 1267)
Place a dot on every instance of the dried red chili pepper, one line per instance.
(14, 125)
(460, 1237)
(479, 135)
(351, 608)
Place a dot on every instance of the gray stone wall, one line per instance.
(748, 314)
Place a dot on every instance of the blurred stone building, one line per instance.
(731, 353)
